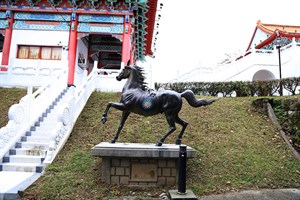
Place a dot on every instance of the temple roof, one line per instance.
(145, 26)
(270, 28)
(274, 30)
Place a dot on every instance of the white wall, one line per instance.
(35, 72)
(30, 37)
(245, 68)
(259, 37)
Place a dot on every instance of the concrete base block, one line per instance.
(139, 150)
(139, 164)
(189, 195)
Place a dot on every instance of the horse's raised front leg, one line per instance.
(121, 124)
(119, 106)
(184, 125)
(171, 122)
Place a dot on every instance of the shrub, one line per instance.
(291, 84)
(288, 113)
(242, 88)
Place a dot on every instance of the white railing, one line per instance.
(70, 110)
(84, 91)
(106, 80)
(262, 51)
(25, 113)
(254, 60)
(25, 73)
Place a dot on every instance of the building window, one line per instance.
(39, 52)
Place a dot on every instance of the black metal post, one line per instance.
(280, 83)
(182, 170)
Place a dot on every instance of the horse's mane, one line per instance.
(140, 77)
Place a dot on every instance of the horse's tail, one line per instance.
(191, 99)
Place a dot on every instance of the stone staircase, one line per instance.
(30, 151)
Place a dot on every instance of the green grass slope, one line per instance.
(237, 149)
(8, 97)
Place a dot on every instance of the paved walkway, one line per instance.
(12, 182)
(264, 194)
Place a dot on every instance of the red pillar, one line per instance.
(7, 39)
(126, 46)
(72, 49)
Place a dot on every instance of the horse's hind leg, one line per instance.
(121, 124)
(171, 122)
(184, 125)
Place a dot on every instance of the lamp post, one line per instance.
(278, 46)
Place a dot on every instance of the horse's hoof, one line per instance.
(159, 143)
(113, 141)
(103, 119)
(178, 142)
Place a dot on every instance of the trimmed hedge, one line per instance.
(240, 88)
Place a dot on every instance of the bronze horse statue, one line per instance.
(138, 99)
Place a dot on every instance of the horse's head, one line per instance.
(124, 73)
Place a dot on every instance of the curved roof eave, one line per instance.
(260, 26)
(150, 26)
(253, 35)
(272, 29)
(263, 27)
(267, 41)
(274, 36)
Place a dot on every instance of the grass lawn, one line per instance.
(237, 149)
(9, 96)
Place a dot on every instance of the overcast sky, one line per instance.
(197, 33)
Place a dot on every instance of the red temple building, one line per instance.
(53, 46)
(44, 37)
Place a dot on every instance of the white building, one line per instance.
(261, 59)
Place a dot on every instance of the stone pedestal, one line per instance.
(139, 164)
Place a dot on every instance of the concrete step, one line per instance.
(41, 119)
(28, 152)
(50, 117)
(49, 122)
(45, 114)
(40, 133)
(46, 127)
(48, 110)
(21, 167)
(37, 124)
(35, 138)
(32, 145)
(23, 159)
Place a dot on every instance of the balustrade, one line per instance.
(25, 113)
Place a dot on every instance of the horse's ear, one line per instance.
(128, 66)
(128, 63)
